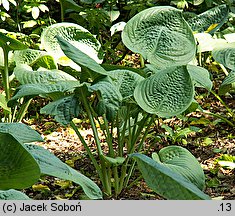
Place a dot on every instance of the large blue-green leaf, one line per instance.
(17, 166)
(25, 75)
(228, 83)
(166, 182)
(21, 132)
(210, 20)
(34, 58)
(74, 34)
(79, 57)
(51, 165)
(167, 93)
(44, 88)
(160, 35)
(200, 76)
(180, 160)
(110, 100)
(225, 55)
(64, 109)
(12, 195)
(125, 81)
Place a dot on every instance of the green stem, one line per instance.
(22, 111)
(220, 117)
(91, 156)
(142, 64)
(106, 181)
(122, 137)
(62, 11)
(116, 181)
(222, 102)
(145, 134)
(93, 126)
(132, 166)
(5, 74)
(17, 15)
(200, 58)
(109, 138)
(138, 132)
(134, 182)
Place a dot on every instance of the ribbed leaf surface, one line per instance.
(110, 100)
(180, 160)
(167, 93)
(166, 182)
(17, 167)
(44, 88)
(200, 76)
(215, 17)
(21, 132)
(160, 35)
(51, 165)
(78, 36)
(228, 83)
(25, 75)
(12, 195)
(27, 56)
(125, 81)
(80, 57)
(64, 109)
(225, 55)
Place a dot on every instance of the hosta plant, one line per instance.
(124, 103)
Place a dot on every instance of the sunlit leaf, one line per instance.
(215, 17)
(35, 12)
(167, 93)
(160, 35)
(74, 34)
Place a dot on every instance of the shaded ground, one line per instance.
(214, 139)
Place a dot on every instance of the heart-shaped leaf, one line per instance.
(167, 93)
(180, 160)
(166, 182)
(74, 34)
(160, 35)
